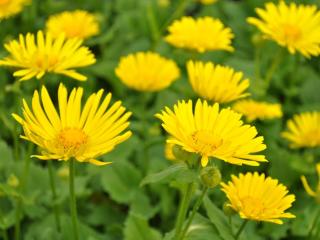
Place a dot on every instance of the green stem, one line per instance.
(4, 230)
(274, 65)
(54, 196)
(193, 213)
(314, 223)
(73, 204)
(244, 223)
(183, 208)
(154, 28)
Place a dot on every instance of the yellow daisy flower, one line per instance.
(212, 133)
(215, 82)
(9, 8)
(304, 130)
(258, 198)
(73, 132)
(207, 2)
(147, 71)
(315, 194)
(36, 58)
(296, 27)
(78, 23)
(202, 34)
(258, 110)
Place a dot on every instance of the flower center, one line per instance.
(313, 137)
(291, 32)
(252, 207)
(45, 61)
(206, 142)
(71, 141)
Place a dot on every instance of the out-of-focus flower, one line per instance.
(202, 34)
(168, 151)
(9, 8)
(315, 194)
(258, 198)
(80, 24)
(163, 3)
(303, 130)
(35, 58)
(215, 82)
(258, 110)
(296, 27)
(73, 133)
(212, 133)
(147, 71)
(207, 2)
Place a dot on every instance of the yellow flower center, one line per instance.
(206, 142)
(313, 137)
(252, 207)
(71, 141)
(291, 32)
(45, 61)
(3, 2)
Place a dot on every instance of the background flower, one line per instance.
(9, 8)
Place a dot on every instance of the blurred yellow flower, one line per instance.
(310, 192)
(168, 151)
(147, 71)
(207, 2)
(304, 130)
(78, 23)
(296, 27)
(73, 132)
(202, 34)
(258, 198)
(9, 8)
(163, 3)
(212, 133)
(36, 58)
(215, 82)
(257, 110)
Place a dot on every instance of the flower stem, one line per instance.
(244, 223)
(193, 213)
(154, 28)
(183, 208)
(314, 223)
(54, 196)
(73, 204)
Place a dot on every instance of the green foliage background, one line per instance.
(117, 201)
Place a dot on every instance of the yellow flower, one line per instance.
(168, 151)
(212, 133)
(310, 192)
(73, 132)
(258, 110)
(9, 8)
(207, 2)
(36, 58)
(215, 82)
(147, 71)
(163, 3)
(202, 34)
(78, 23)
(304, 130)
(296, 27)
(258, 198)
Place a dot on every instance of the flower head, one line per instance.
(207, 2)
(258, 198)
(212, 133)
(34, 58)
(73, 132)
(202, 34)
(9, 8)
(217, 83)
(80, 24)
(147, 71)
(304, 130)
(315, 194)
(296, 27)
(258, 110)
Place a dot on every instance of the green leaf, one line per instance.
(137, 227)
(219, 220)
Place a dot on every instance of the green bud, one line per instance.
(190, 158)
(13, 181)
(210, 176)
(228, 210)
(257, 39)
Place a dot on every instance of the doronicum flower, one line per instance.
(215, 82)
(258, 198)
(303, 130)
(315, 194)
(9, 8)
(212, 133)
(73, 132)
(80, 24)
(147, 71)
(296, 27)
(257, 110)
(202, 34)
(35, 58)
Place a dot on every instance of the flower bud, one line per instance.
(228, 210)
(210, 176)
(190, 158)
(13, 181)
